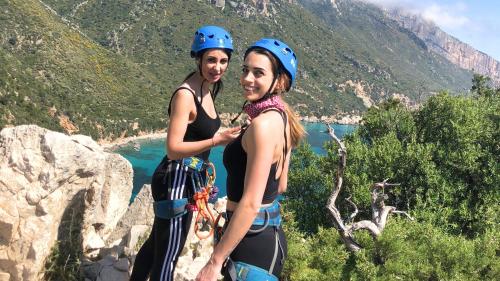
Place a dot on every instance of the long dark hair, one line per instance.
(219, 85)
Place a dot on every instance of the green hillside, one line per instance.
(384, 53)
(50, 72)
(109, 64)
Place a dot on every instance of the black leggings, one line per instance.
(258, 250)
(158, 256)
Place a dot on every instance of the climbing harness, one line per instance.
(268, 216)
(203, 190)
(240, 271)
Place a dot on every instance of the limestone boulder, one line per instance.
(117, 258)
(113, 262)
(43, 175)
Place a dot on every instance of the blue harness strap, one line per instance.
(169, 209)
(194, 163)
(240, 271)
(269, 215)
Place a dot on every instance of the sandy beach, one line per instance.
(117, 143)
(120, 142)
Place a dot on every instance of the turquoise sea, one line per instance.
(151, 152)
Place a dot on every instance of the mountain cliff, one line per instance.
(448, 46)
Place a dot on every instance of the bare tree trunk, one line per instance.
(380, 212)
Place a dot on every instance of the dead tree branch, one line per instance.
(404, 213)
(380, 211)
(355, 213)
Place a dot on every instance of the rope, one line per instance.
(218, 229)
(201, 202)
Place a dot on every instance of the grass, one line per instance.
(64, 261)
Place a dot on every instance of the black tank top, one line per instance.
(203, 127)
(235, 162)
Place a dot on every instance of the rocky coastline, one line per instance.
(334, 119)
(120, 142)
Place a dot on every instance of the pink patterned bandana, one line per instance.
(254, 109)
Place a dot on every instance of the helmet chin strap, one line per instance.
(266, 96)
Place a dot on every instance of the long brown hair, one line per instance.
(297, 131)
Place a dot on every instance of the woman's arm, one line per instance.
(259, 145)
(181, 108)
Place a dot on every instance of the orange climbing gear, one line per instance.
(200, 197)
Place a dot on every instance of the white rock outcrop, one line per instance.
(196, 252)
(42, 173)
(44, 176)
(115, 259)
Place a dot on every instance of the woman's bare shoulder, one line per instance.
(268, 124)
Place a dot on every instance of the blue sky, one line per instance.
(475, 22)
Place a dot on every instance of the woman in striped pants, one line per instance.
(192, 132)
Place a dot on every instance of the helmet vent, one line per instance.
(276, 43)
(211, 37)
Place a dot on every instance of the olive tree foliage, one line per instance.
(380, 211)
(405, 251)
(465, 134)
(445, 158)
(308, 189)
(481, 86)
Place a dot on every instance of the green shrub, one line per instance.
(405, 251)
(446, 158)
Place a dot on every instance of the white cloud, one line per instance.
(406, 4)
(445, 17)
(477, 24)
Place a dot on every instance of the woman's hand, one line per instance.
(210, 272)
(226, 136)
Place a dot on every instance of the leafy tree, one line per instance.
(405, 251)
(446, 157)
(390, 116)
(464, 133)
(310, 190)
(481, 86)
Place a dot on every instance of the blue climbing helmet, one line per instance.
(282, 52)
(211, 37)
